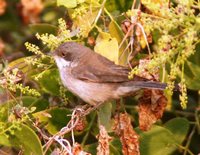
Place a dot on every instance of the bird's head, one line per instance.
(67, 53)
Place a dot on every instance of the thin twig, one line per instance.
(189, 140)
(70, 126)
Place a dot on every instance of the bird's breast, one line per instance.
(90, 92)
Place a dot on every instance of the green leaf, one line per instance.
(26, 101)
(105, 115)
(24, 138)
(192, 70)
(43, 28)
(118, 5)
(4, 108)
(115, 147)
(107, 46)
(157, 141)
(50, 82)
(192, 75)
(40, 104)
(67, 3)
(91, 148)
(179, 127)
(116, 32)
(4, 140)
(54, 119)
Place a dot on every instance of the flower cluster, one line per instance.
(10, 82)
(52, 41)
(177, 37)
(35, 49)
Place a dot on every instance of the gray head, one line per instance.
(68, 53)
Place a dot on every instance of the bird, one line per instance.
(94, 78)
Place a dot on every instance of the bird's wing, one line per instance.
(99, 69)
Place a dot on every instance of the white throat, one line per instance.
(61, 62)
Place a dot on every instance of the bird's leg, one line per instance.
(92, 108)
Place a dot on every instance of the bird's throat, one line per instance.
(61, 62)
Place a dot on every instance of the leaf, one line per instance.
(23, 138)
(27, 101)
(67, 3)
(54, 119)
(105, 115)
(4, 140)
(4, 108)
(43, 28)
(116, 32)
(91, 148)
(118, 5)
(50, 82)
(179, 127)
(192, 75)
(107, 46)
(115, 147)
(20, 64)
(40, 104)
(192, 70)
(157, 141)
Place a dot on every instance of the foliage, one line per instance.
(158, 40)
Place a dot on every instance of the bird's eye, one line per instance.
(62, 54)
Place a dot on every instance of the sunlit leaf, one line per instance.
(67, 3)
(116, 32)
(20, 64)
(107, 46)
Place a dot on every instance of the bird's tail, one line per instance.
(149, 84)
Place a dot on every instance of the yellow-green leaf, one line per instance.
(67, 3)
(20, 64)
(116, 32)
(107, 46)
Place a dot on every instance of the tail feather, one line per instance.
(149, 84)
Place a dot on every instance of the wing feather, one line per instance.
(96, 68)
